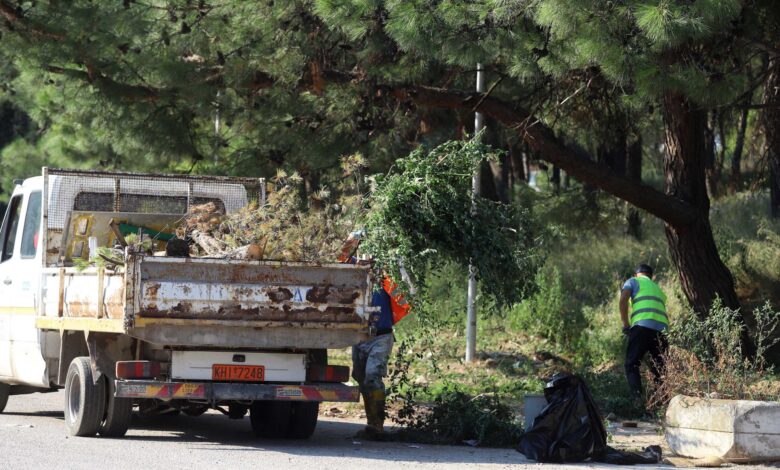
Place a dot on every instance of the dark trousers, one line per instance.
(643, 340)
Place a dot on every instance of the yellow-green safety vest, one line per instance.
(649, 303)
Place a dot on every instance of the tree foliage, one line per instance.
(421, 215)
(235, 87)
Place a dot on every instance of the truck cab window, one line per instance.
(32, 226)
(10, 225)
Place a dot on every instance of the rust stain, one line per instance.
(80, 308)
(331, 295)
(279, 294)
(115, 304)
(151, 290)
(244, 292)
(235, 311)
(286, 313)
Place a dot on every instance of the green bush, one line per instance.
(545, 314)
(601, 340)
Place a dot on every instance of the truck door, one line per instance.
(20, 270)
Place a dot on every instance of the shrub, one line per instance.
(705, 357)
(545, 314)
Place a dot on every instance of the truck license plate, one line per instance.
(230, 372)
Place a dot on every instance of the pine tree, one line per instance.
(297, 83)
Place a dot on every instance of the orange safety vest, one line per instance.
(398, 304)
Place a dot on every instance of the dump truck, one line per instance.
(165, 334)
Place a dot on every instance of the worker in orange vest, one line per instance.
(370, 358)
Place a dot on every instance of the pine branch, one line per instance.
(15, 17)
(542, 139)
(112, 87)
(538, 136)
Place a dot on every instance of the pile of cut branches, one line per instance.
(287, 227)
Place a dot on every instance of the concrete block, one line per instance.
(732, 430)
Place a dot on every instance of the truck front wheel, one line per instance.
(85, 400)
(5, 390)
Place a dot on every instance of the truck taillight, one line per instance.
(137, 369)
(321, 373)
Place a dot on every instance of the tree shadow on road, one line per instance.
(333, 438)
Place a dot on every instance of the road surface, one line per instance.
(33, 435)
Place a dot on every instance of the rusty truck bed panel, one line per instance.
(215, 289)
(91, 293)
(213, 302)
(238, 334)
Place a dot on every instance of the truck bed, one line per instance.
(210, 302)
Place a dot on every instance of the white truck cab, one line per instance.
(21, 343)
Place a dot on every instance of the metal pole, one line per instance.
(471, 311)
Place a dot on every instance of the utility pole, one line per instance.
(471, 311)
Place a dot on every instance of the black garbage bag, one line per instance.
(570, 429)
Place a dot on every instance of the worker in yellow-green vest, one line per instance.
(643, 312)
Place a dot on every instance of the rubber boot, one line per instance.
(375, 411)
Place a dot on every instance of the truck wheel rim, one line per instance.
(74, 400)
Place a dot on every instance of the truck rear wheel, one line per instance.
(85, 400)
(270, 419)
(5, 390)
(119, 411)
(303, 420)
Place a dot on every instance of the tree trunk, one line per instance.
(555, 179)
(487, 183)
(516, 168)
(527, 164)
(500, 172)
(711, 170)
(774, 184)
(702, 273)
(634, 171)
(721, 157)
(494, 174)
(771, 124)
(735, 178)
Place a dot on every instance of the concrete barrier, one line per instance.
(732, 430)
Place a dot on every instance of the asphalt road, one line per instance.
(33, 435)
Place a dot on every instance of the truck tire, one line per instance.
(303, 419)
(270, 419)
(119, 411)
(5, 390)
(85, 401)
